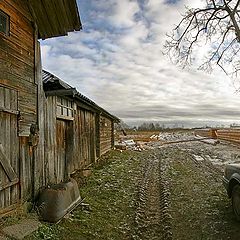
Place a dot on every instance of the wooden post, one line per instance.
(38, 155)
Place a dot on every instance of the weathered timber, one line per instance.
(106, 134)
(84, 130)
(55, 17)
(9, 153)
(6, 165)
(23, 167)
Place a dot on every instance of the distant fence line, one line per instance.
(232, 135)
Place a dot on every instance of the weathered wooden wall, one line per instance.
(106, 134)
(70, 140)
(23, 166)
(17, 63)
(9, 148)
(17, 73)
(50, 139)
(56, 143)
(84, 139)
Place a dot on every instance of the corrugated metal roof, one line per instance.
(52, 82)
(55, 17)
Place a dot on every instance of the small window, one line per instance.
(65, 109)
(4, 23)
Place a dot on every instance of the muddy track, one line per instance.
(152, 217)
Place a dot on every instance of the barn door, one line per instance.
(9, 148)
(61, 164)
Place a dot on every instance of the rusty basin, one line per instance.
(57, 200)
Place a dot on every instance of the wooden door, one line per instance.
(61, 164)
(9, 148)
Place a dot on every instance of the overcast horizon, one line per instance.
(117, 61)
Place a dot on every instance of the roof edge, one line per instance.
(67, 90)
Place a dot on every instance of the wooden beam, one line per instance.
(65, 117)
(6, 165)
(7, 185)
(2, 109)
(60, 92)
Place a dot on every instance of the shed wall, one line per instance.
(17, 61)
(106, 134)
(73, 140)
(17, 72)
(84, 139)
(50, 139)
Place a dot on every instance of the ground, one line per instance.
(170, 191)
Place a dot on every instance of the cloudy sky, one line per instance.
(117, 61)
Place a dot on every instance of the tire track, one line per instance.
(152, 215)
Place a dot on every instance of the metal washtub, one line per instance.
(57, 200)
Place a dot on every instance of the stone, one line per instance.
(22, 229)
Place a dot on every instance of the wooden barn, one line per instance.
(22, 160)
(77, 130)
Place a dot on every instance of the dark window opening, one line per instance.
(4, 23)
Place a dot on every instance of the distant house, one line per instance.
(77, 130)
(22, 147)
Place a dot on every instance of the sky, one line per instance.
(117, 61)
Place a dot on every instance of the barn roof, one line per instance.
(54, 86)
(55, 17)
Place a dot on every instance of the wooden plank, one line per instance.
(65, 117)
(7, 146)
(9, 184)
(2, 109)
(60, 92)
(76, 18)
(97, 123)
(39, 170)
(112, 133)
(22, 8)
(51, 15)
(6, 166)
(40, 17)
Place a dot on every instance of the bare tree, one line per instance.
(216, 28)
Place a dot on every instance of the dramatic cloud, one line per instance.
(117, 61)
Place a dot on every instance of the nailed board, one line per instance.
(9, 148)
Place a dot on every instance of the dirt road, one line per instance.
(170, 192)
(195, 205)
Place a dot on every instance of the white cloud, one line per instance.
(117, 61)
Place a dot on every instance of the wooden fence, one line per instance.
(227, 134)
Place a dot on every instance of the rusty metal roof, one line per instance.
(53, 85)
(55, 17)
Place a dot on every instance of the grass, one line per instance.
(110, 193)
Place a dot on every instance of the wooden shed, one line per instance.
(78, 131)
(22, 23)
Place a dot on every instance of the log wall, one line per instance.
(17, 60)
(24, 168)
(17, 73)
